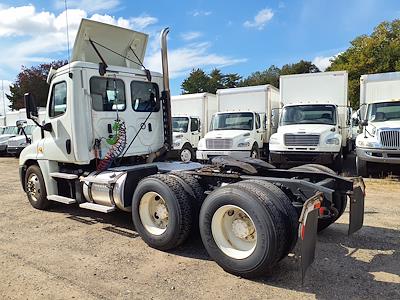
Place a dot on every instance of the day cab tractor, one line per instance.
(103, 145)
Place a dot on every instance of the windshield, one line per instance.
(309, 114)
(180, 124)
(384, 111)
(28, 129)
(11, 130)
(233, 121)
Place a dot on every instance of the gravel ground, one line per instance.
(68, 253)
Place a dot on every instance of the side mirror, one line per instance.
(47, 127)
(31, 107)
(364, 123)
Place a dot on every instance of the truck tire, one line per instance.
(284, 205)
(35, 188)
(338, 162)
(197, 195)
(187, 153)
(230, 218)
(362, 167)
(162, 211)
(255, 152)
(340, 202)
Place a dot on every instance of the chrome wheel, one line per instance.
(186, 155)
(234, 231)
(153, 212)
(33, 187)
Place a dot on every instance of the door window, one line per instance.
(108, 94)
(145, 96)
(58, 100)
(194, 124)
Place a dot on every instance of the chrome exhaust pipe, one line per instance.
(166, 94)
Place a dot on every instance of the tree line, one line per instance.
(378, 52)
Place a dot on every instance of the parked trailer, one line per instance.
(191, 116)
(314, 125)
(249, 213)
(242, 126)
(380, 112)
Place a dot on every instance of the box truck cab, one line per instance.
(242, 126)
(379, 141)
(314, 123)
(191, 115)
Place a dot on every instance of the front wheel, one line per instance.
(187, 153)
(255, 152)
(35, 188)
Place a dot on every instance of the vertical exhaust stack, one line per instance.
(166, 94)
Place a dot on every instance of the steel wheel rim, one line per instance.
(33, 187)
(234, 231)
(186, 155)
(153, 212)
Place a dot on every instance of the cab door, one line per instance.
(194, 131)
(57, 143)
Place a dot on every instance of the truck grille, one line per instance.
(301, 139)
(219, 143)
(390, 138)
(13, 143)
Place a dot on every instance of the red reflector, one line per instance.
(303, 227)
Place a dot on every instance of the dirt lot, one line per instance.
(71, 253)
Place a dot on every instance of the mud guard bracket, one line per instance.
(308, 231)
(356, 218)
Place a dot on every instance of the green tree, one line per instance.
(375, 53)
(231, 80)
(300, 67)
(268, 76)
(215, 81)
(32, 80)
(197, 82)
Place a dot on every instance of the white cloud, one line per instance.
(260, 19)
(43, 34)
(323, 62)
(89, 5)
(191, 35)
(200, 13)
(183, 60)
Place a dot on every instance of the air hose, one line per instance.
(117, 142)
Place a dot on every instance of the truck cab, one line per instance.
(314, 125)
(235, 133)
(186, 135)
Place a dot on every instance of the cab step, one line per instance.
(61, 199)
(67, 176)
(97, 207)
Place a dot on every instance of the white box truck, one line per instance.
(314, 125)
(380, 113)
(191, 116)
(242, 126)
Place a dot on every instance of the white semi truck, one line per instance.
(107, 130)
(379, 142)
(314, 125)
(191, 116)
(242, 126)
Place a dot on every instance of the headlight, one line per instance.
(366, 143)
(245, 144)
(332, 141)
(176, 144)
(273, 140)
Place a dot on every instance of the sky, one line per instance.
(235, 36)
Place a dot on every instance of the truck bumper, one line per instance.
(302, 157)
(14, 150)
(379, 155)
(208, 154)
(3, 148)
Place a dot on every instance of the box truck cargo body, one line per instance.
(242, 126)
(191, 116)
(380, 111)
(314, 124)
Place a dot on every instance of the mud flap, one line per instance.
(356, 205)
(308, 231)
